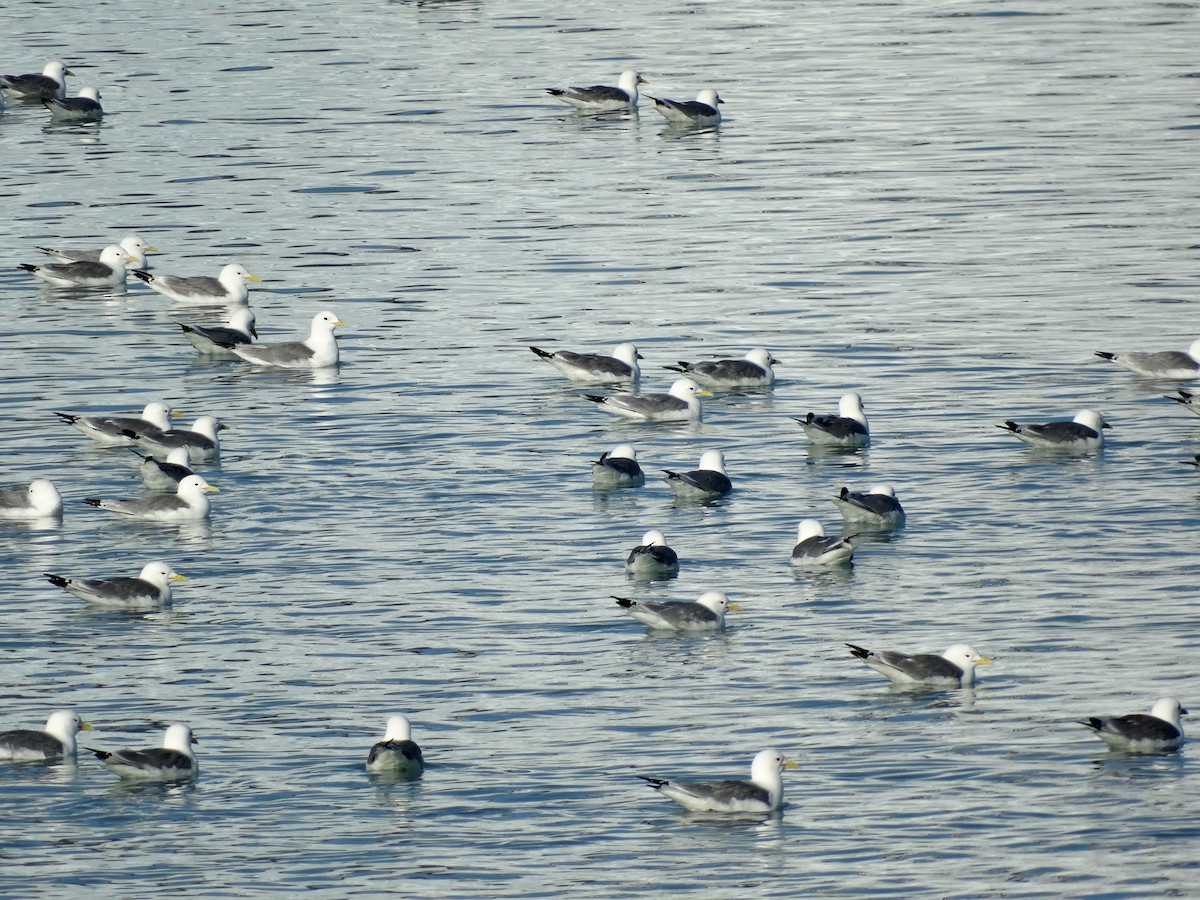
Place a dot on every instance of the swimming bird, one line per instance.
(763, 793)
(188, 503)
(107, 271)
(1189, 401)
(1171, 364)
(113, 431)
(214, 340)
(876, 508)
(35, 88)
(709, 481)
(847, 429)
(317, 351)
(621, 366)
(701, 111)
(83, 108)
(55, 741)
(397, 754)
(135, 252)
(229, 287)
(652, 559)
(164, 475)
(707, 613)
(955, 667)
(753, 370)
(1083, 434)
(813, 548)
(618, 468)
(150, 589)
(200, 440)
(680, 404)
(173, 761)
(601, 98)
(1160, 730)
(37, 500)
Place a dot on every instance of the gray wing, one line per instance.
(178, 437)
(693, 109)
(664, 556)
(408, 749)
(123, 590)
(680, 614)
(726, 791)
(76, 105)
(1163, 360)
(1136, 727)
(816, 545)
(705, 480)
(879, 504)
(1061, 432)
(164, 472)
(148, 503)
(728, 369)
(72, 255)
(837, 426)
(597, 93)
(32, 86)
(16, 497)
(26, 741)
(155, 758)
(288, 353)
(192, 286)
(83, 270)
(921, 666)
(217, 334)
(600, 365)
(620, 464)
(649, 404)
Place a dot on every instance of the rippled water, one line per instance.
(944, 206)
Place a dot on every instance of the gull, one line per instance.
(135, 251)
(847, 429)
(150, 589)
(229, 287)
(173, 761)
(763, 793)
(317, 351)
(709, 481)
(622, 365)
(701, 111)
(652, 558)
(214, 340)
(107, 271)
(1083, 434)
(618, 468)
(56, 740)
(753, 370)
(1160, 730)
(601, 98)
(37, 500)
(188, 503)
(164, 475)
(1189, 401)
(397, 754)
(84, 108)
(707, 613)
(1171, 364)
(877, 507)
(680, 404)
(954, 667)
(50, 83)
(813, 548)
(200, 440)
(114, 431)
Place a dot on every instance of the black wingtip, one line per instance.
(624, 602)
(143, 275)
(57, 580)
(540, 352)
(90, 501)
(843, 492)
(28, 267)
(671, 476)
(1104, 355)
(682, 367)
(858, 652)
(187, 329)
(1092, 722)
(69, 418)
(100, 754)
(656, 783)
(1009, 425)
(595, 398)
(228, 345)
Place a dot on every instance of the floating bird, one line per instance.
(681, 404)
(164, 475)
(150, 589)
(813, 548)
(200, 440)
(847, 429)
(1170, 364)
(37, 500)
(763, 793)
(1189, 401)
(84, 108)
(954, 667)
(601, 98)
(317, 351)
(55, 741)
(652, 558)
(214, 340)
(229, 287)
(707, 613)
(135, 252)
(707, 482)
(107, 271)
(618, 468)
(49, 84)
(188, 503)
(173, 761)
(621, 366)
(397, 754)
(701, 111)
(876, 508)
(753, 370)
(114, 431)
(1084, 434)
(1160, 730)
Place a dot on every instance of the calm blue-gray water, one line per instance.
(945, 206)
